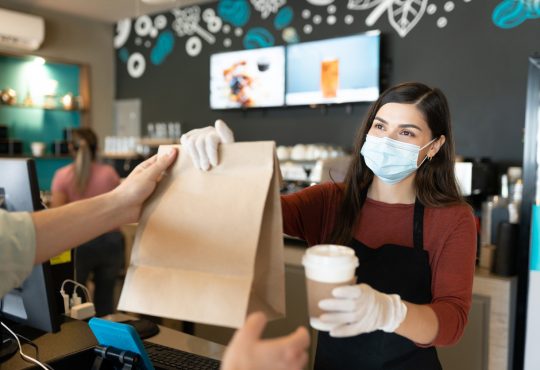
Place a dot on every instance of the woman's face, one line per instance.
(405, 123)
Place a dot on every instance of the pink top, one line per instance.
(103, 178)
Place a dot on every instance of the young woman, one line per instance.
(400, 209)
(86, 178)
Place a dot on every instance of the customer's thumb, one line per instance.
(163, 162)
(299, 338)
(254, 326)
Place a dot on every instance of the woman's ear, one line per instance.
(437, 144)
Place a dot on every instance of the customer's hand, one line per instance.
(247, 351)
(141, 182)
(202, 144)
(361, 309)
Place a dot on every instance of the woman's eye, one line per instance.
(378, 126)
(407, 133)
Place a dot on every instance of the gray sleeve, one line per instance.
(17, 249)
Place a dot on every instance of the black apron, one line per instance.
(391, 269)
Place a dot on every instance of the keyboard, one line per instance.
(168, 358)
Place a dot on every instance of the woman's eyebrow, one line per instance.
(404, 125)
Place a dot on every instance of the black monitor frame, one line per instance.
(33, 304)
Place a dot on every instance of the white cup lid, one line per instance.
(329, 255)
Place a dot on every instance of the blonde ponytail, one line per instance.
(83, 166)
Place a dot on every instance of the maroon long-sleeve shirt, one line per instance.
(449, 238)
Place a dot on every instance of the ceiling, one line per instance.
(108, 11)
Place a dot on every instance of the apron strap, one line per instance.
(418, 225)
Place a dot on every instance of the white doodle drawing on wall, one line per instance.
(267, 7)
(448, 7)
(402, 14)
(187, 23)
(160, 22)
(193, 46)
(123, 29)
(144, 26)
(320, 2)
(213, 22)
(136, 65)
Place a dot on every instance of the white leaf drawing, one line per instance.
(382, 6)
(405, 14)
(362, 4)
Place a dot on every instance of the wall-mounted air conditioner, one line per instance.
(21, 31)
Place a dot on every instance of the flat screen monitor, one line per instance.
(337, 70)
(248, 78)
(33, 303)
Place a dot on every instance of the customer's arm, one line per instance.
(58, 199)
(247, 351)
(59, 229)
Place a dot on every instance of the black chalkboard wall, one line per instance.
(474, 50)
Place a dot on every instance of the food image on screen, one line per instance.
(247, 79)
(338, 70)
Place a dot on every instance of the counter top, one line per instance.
(75, 337)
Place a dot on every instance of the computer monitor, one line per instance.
(32, 304)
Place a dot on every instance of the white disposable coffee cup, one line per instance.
(38, 148)
(327, 266)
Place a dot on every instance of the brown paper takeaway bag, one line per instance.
(209, 245)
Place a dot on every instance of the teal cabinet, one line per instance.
(38, 112)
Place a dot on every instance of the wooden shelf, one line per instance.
(50, 156)
(157, 141)
(127, 155)
(46, 156)
(21, 106)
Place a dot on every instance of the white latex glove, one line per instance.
(247, 351)
(361, 309)
(202, 144)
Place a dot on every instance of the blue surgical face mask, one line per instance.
(389, 159)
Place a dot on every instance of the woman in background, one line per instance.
(86, 178)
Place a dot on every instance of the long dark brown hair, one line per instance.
(435, 181)
(85, 147)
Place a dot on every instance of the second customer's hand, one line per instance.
(247, 351)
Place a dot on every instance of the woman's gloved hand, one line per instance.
(202, 144)
(358, 309)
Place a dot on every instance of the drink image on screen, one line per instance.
(333, 71)
(327, 267)
(329, 77)
(263, 64)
